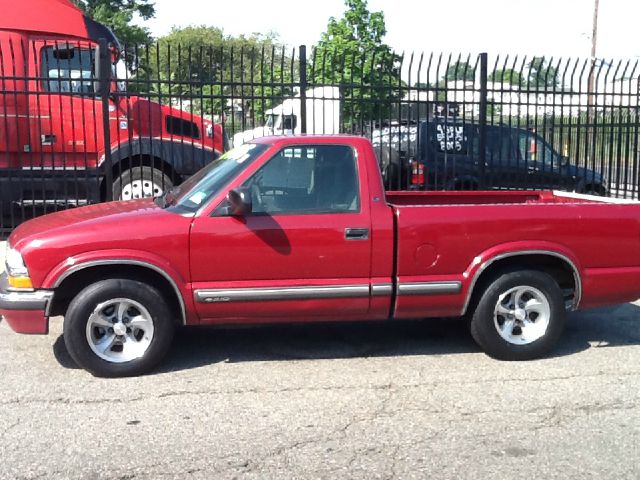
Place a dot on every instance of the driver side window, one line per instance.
(307, 179)
(533, 149)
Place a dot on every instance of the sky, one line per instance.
(542, 27)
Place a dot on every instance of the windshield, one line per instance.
(204, 184)
(269, 120)
(121, 75)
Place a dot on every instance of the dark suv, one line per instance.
(515, 158)
(444, 154)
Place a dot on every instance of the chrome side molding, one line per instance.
(224, 295)
(430, 288)
(381, 289)
(280, 293)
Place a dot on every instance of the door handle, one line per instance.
(356, 233)
(48, 139)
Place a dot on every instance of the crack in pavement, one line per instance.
(10, 427)
(439, 382)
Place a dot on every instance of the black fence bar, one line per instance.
(436, 120)
(103, 76)
(482, 120)
(303, 89)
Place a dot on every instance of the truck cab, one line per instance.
(53, 148)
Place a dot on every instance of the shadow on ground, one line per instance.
(200, 346)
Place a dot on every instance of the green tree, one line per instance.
(207, 67)
(508, 75)
(460, 71)
(118, 15)
(351, 53)
(542, 74)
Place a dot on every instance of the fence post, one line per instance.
(103, 74)
(482, 120)
(303, 89)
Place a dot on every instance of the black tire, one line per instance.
(85, 303)
(484, 327)
(595, 190)
(153, 179)
(466, 185)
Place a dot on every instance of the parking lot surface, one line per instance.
(388, 400)
(351, 401)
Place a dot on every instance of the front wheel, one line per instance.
(118, 328)
(141, 182)
(520, 315)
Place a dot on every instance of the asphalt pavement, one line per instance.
(385, 400)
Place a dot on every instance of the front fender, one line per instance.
(125, 257)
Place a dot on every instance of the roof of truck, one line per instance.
(307, 139)
(57, 17)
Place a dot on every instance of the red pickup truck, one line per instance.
(300, 229)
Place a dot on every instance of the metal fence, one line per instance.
(75, 131)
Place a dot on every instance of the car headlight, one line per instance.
(17, 273)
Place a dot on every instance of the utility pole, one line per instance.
(590, 85)
(594, 35)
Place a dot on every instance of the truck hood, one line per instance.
(105, 221)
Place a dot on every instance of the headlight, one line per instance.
(18, 276)
(15, 263)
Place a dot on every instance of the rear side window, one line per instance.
(307, 179)
(289, 122)
(68, 69)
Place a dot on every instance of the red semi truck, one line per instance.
(301, 229)
(52, 142)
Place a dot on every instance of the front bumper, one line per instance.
(25, 312)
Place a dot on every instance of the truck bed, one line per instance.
(443, 236)
(408, 198)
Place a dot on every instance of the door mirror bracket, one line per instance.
(239, 202)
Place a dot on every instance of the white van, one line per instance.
(323, 116)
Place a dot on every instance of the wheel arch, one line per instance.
(559, 265)
(140, 160)
(74, 279)
(177, 157)
(595, 189)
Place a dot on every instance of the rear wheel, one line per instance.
(141, 182)
(519, 316)
(468, 184)
(118, 327)
(595, 190)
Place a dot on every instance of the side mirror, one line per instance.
(102, 68)
(239, 200)
(564, 161)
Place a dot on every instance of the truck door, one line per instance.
(66, 115)
(305, 251)
(544, 165)
(503, 167)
